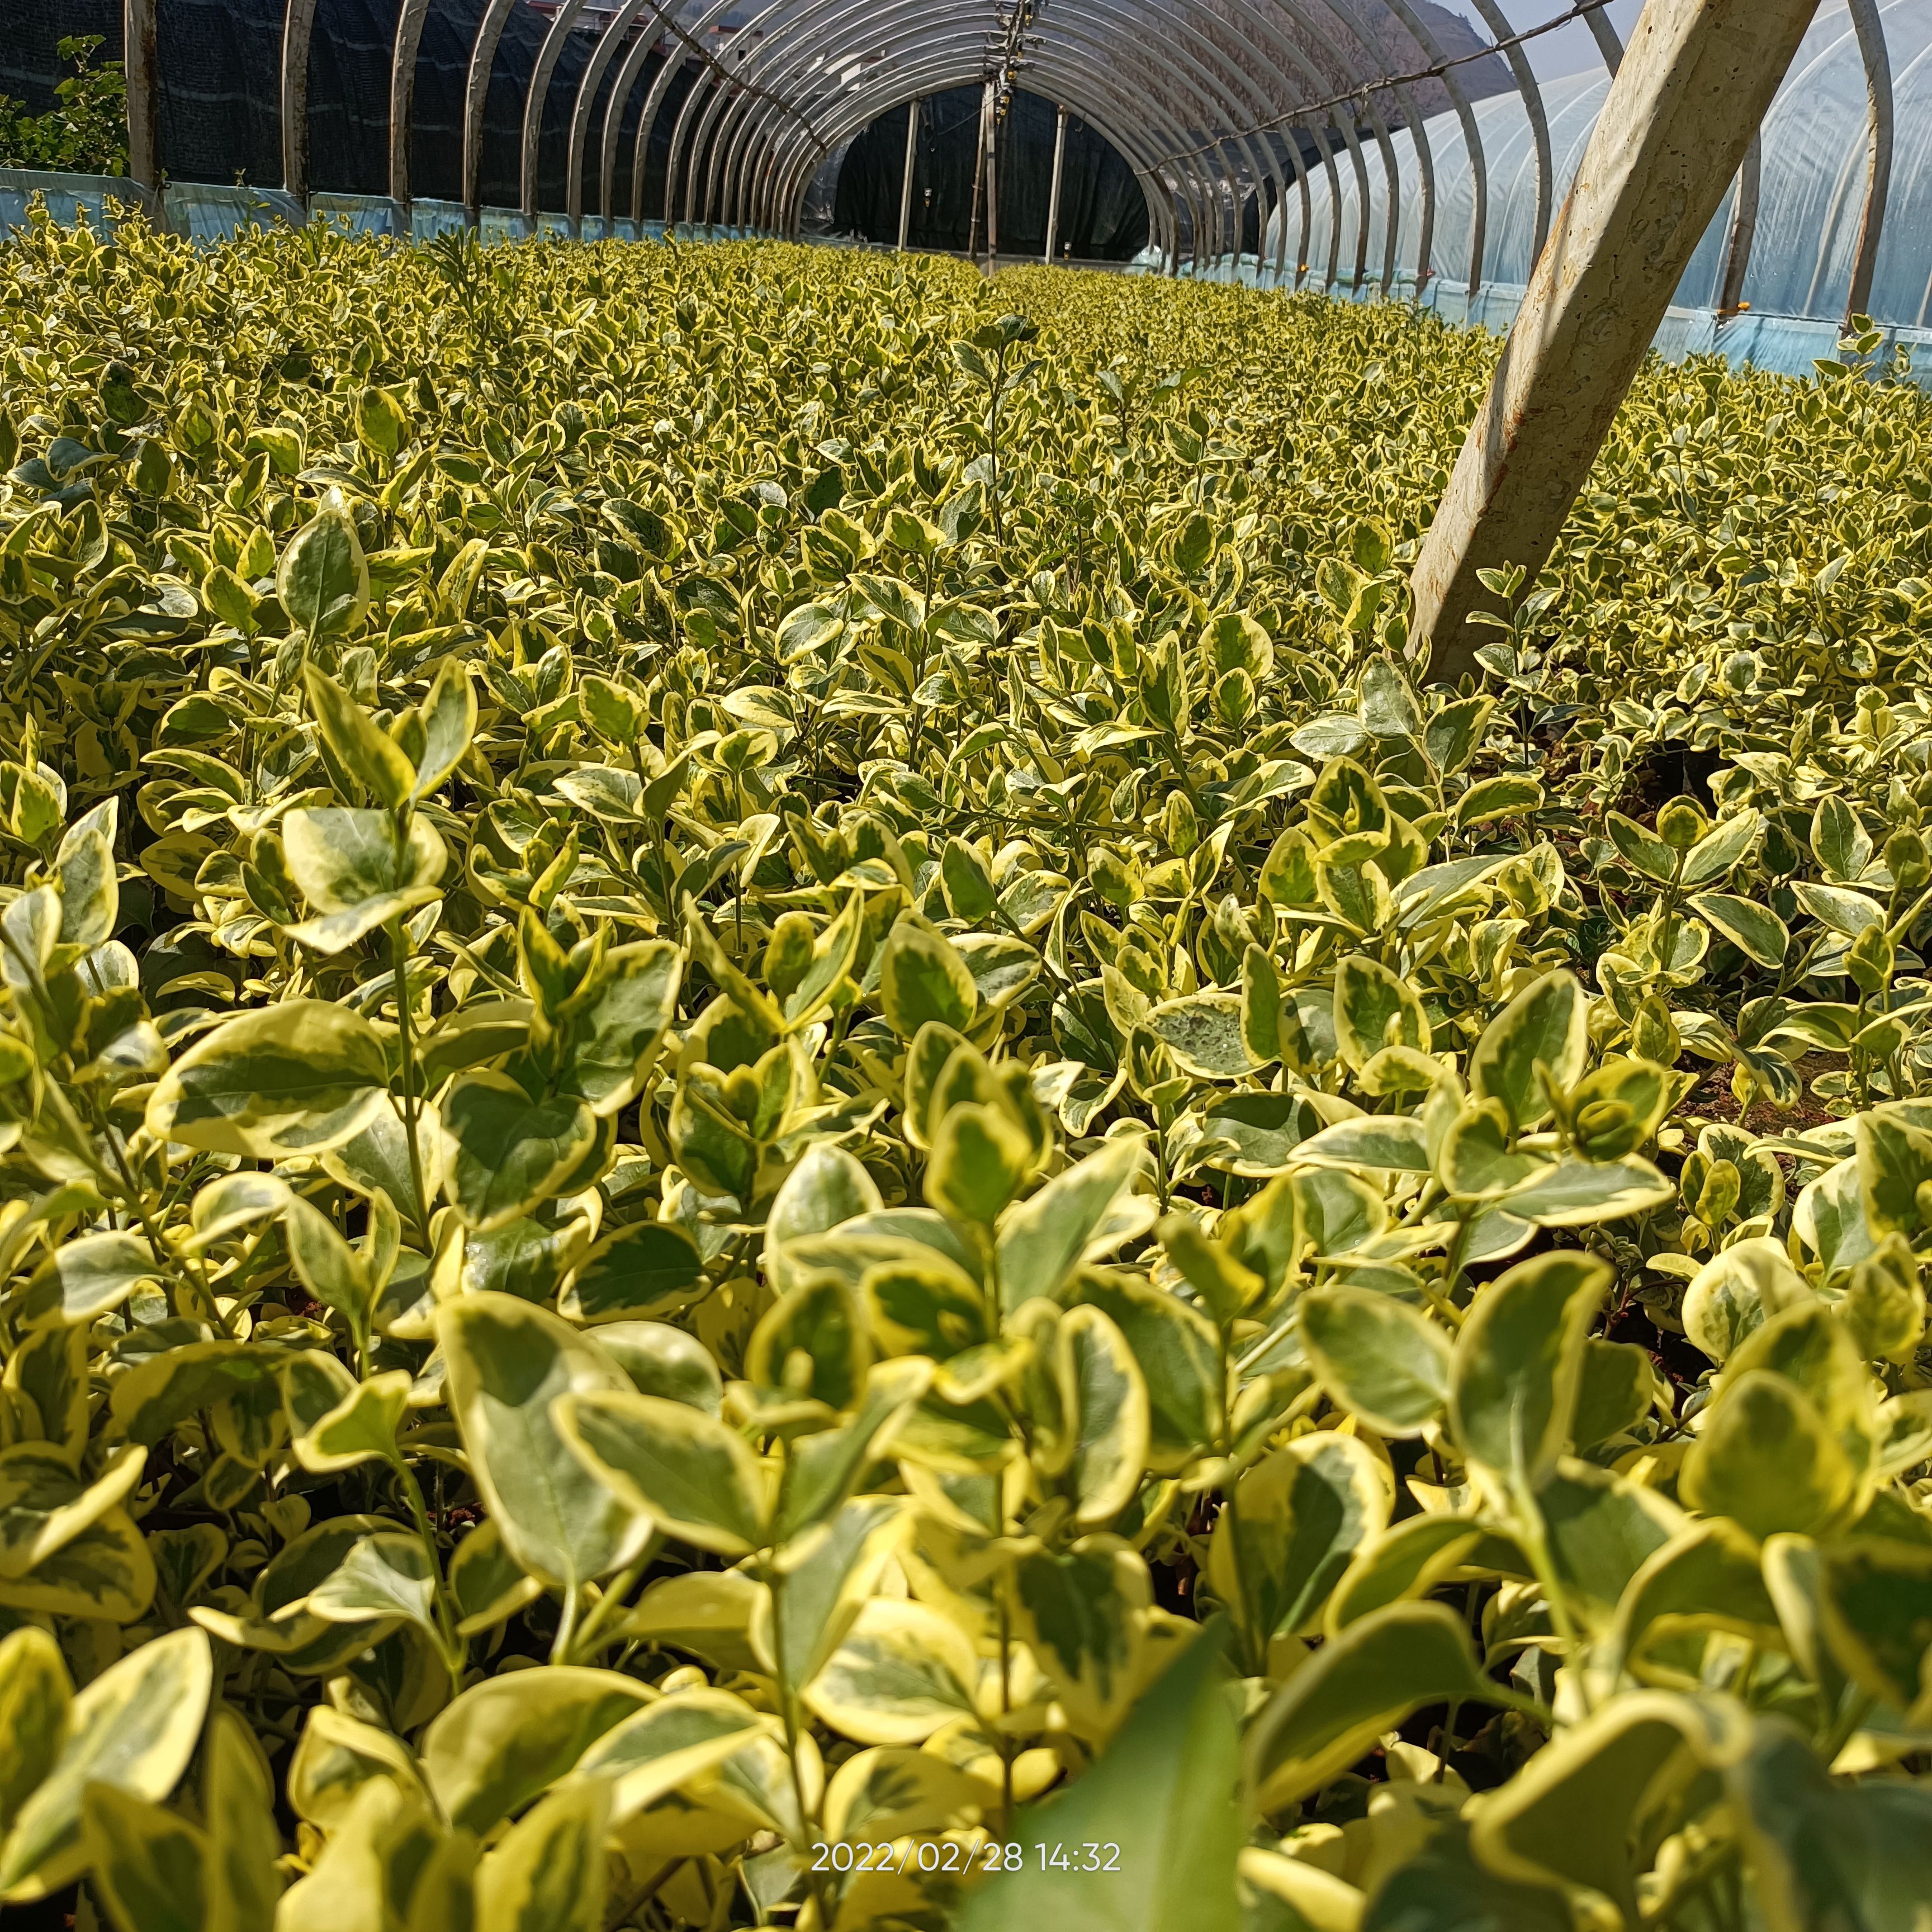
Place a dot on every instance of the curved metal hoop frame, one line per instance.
(792, 84)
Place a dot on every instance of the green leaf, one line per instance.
(1178, 1354)
(323, 580)
(902, 1671)
(294, 1079)
(368, 753)
(1293, 1525)
(685, 1470)
(148, 1866)
(1109, 1432)
(550, 1868)
(1407, 1560)
(648, 1268)
(1642, 848)
(615, 1038)
(85, 1279)
(980, 1158)
(504, 1153)
(133, 1730)
(1546, 1024)
(1824, 1853)
(1718, 854)
(508, 1361)
(1379, 1359)
(669, 1743)
(383, 1577)
(1163, 1791)
(1517, 1363)
(360, 1428)
(1512, 795)
(1569, 1816)
(1580, 1193)
(36, 1694)
(1203, 1033)
(1755, 930)
(1080, 1214)
(1766, 1459)
(508, 1738)
(1396, 1143)
(923, 977)
(1363, 1681)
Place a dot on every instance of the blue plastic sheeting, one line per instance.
(69, 198)
(204, 213)
(1815, 142)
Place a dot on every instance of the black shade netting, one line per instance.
(220, 86)
(1103, 215)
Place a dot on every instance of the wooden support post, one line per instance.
(905, 178)
(1053, 195)
(139, 65)
(1696, 80)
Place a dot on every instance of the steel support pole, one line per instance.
(1695, 82)
(1872, 49)
(905, 174)
(1053, 194)
(992, 183)
(979, 173)
(298, 24)
(140, 66)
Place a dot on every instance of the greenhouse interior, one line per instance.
(965, 968)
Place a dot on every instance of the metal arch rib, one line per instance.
(1087, 90)
(1532, 105)
(297, 29)
(409, 24)
(1092, 91)
(829, 50)
(1288, 55)
(1378, 127)
(960, 60)
(1472, 139)
(788, 38)
(789, 47)
(654, 100)
(536, 97)
(1879, 108)
(619, 23)
(639, 52)
(1425, 168)
(482, 58)
(1425, 161)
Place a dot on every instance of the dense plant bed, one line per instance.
(788, 1139)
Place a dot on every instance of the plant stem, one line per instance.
(399, 958)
